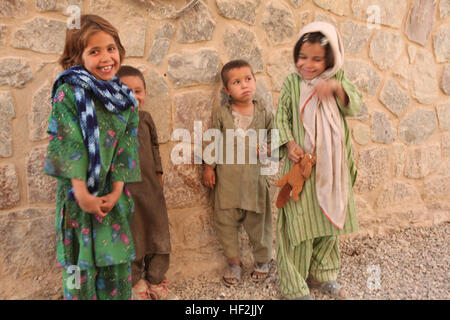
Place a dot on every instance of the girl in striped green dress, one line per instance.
(310, 117)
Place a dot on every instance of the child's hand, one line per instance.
(209, 176)
(295, 152)
(159, 175)
(329, 88)
(91, 204)
(262, 149)
(108, 202)
(86, 201)
(326, 88)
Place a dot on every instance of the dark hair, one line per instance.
(76, 39)
(315, 37)
(129, 71)
(233, 64)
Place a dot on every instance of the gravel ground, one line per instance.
(409, 264)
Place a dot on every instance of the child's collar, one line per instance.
(255, 103)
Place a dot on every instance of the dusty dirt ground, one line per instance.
(408, 265)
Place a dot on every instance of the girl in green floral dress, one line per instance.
(93, 153)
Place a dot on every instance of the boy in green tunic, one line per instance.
(93, 153)
(310, 117)
(241, 193)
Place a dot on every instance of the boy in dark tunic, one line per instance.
(150, 224)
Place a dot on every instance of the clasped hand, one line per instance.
(99, 206)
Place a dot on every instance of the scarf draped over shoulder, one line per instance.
(324, 133)
(116, 98)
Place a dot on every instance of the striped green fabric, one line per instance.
(317, 258)
(304, 218)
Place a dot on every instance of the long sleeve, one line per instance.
(215, 124)
(269, 126)
(283, 116)
(126, 159)
(354, 96)
(155, 145)
(66, 154)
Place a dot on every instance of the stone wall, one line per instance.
(401, 139)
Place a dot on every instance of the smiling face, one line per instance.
(137, 86)
(311, 60)
(101, 56)
(241, 84)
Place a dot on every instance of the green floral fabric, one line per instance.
(84, 239)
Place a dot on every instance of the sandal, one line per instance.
(262, 269)
(330, 288)
(161, 291)
(140, 291)
(233, 275)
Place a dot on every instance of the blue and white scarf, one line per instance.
(116, 98)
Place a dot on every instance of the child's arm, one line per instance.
(126, 159)
(354, 98)
(86, 201)
(209, 176)
(340, 94)
(161, 181)
(66, 153)
(329, 88)
(155, 150)
(283, 115)
(264, 147)
(110, 200)
(126, 163)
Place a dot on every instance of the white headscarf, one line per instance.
(322, 123)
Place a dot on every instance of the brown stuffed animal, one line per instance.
(294, 179)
